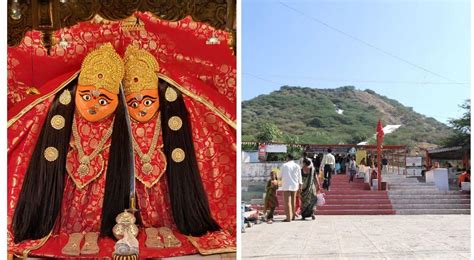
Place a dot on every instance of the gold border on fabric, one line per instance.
(200, 99)
(39, 100)
(78, 183)
(147, 184)
(39, 245)
(203, 251)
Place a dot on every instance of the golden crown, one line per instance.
(102, 68)
(140, 70)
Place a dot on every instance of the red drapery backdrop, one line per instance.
(205, 73)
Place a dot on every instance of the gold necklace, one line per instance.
(146, 158)
(85, 160)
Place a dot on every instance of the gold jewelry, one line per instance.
(175, 123)
(84, 159)
(140, 70)
(170, 94)
(145, 159)
(51, 154)
(178, 155)
(65, 97)
(57, 122)
(102, 68)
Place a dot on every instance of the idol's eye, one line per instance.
(148, 102)
(103, 102)
(86, 97)
(134, 105)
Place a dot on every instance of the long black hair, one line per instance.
(41, 195)
(189, 201)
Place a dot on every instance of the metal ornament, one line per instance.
(171, 95)
(58, 122)
(175, 123)
(65, 97)
(51, 154)
(178, 155)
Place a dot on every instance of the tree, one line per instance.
(462, 127)
(269, 132)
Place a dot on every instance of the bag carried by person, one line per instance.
(321, 201)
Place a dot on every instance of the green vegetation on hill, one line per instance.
(310, 116)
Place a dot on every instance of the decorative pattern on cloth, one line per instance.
(83, 195)
(213, 66)
(214, 144)
(22, 137)
(143, 135)
(152, 189)
(214, 243)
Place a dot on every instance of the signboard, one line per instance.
(262, 152)
(276, 148)
(414, 161)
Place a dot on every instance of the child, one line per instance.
(271, 200)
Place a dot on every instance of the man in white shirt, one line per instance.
(328, 164)
(290, 183)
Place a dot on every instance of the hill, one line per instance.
(336, 116)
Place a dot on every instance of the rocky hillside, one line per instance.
(343, 115)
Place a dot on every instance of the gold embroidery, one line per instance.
(65, 97)
(140, 70)
(102, 68)
(175, 123)
(51, 154)
(81, 185)
(38, 246)
(202, 251)
(32, 91)
(39, 100)
(178, 155)
(57, 122)
(149, 185)
(201, 100)
(170, 95)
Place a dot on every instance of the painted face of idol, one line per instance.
(143, 105)
(95, 104)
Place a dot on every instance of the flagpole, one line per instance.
(379, 153)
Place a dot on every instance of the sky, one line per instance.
(417, 52)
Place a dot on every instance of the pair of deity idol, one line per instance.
(78, 179)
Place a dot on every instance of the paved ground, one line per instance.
(361, 237)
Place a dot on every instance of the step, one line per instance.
(355, 206)
(391, 188)
(432, 211)
(352, 196)
(357, 201)
(431, 206)
(396, 192)
(427, 196)
(356, 212)
(355, 192)
(431, 201)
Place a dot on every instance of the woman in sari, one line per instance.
(271, 200)
(308, 190)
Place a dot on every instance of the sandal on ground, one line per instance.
(153, 240)
(90, 246)
(269, 221)
(73, 244)
(169, 238)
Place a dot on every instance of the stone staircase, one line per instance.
(410, 197)
(354, 199)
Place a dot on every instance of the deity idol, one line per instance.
(78, 178)
(163, 144)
